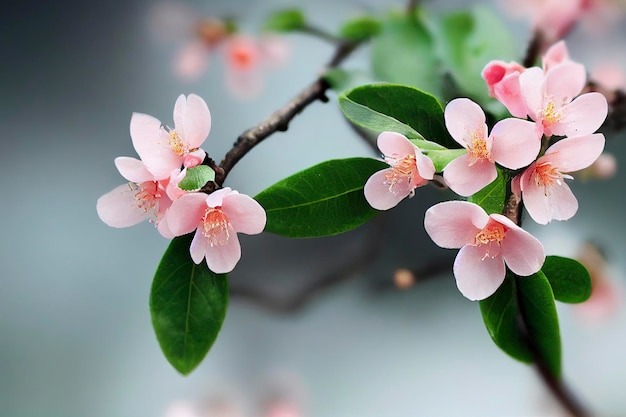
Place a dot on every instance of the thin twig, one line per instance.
(321, 34)
(279, 120)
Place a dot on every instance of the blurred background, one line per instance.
(75, 332)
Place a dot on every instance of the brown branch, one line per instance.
(279, 120)
(513, 210)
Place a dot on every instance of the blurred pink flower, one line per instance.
(216, 218)
(488, 244)
(550, 100)
(409, 169)
(545, 194)
(143, 198)
(513, 143)
(164, 149)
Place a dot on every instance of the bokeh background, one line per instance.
(75, 332)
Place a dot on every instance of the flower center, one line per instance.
(403, 170)
(551, 114)
(491, 236)
(176, 144)
(545, 174)
(477, 150)
(147, 197)
(243, 57)
(215, 226)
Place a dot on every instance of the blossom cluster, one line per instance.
(152, 192)
(551, 134)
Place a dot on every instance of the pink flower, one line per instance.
(549, 98)
(143, 198)
(513, 143)
(409, 169)
(487, 243)
(163, 149)
(217, 218)
(544, 191)
(503, 82)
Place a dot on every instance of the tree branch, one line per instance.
(279, 120)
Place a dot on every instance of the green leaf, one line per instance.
(398, 108)
(493, 197)
(467, 42)
(196, 178)
(536, 301)
(500, 314)
(403, 53)
(326, 199)
(360, 28)
(441, 158)
(285, 21)
(188, 304)
(569, 279)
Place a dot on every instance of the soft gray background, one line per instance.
(75, 332)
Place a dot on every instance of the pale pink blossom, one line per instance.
(216, 219)
(164, 149)
(552, 102)
(502, 80)
(410, 169)
(192, 60)
(513, 143)
(142, 198)
(488, 243)
(555, 55)
(545, 194)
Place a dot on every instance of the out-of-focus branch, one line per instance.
(280, 119)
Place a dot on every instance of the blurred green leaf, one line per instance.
(569, 279)
(326, 199)
(492, 198)
(536, 300)
(196, 178)
(467, 41)
(403, 53)
(501, 317)
(398, 108)
(360, 28)
(188, 305)
(285, 21)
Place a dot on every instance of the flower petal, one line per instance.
(546, 203)
(215, 199)
(582, 116)
(133, 169)
(378, 193)
(454, 224)
(463, 118)
(151, 143)
(466, 180)
(508, 92)
(522, 252)
(565, 81)
(244, 213)
(576, 153)
(395, 145)
(531, 82)
(186, 213)
(118, 207)
(478, 277)
(196, 119)
(515, 143)
(198, 248)
(222, 259)
(425, 168)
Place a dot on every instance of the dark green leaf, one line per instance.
(569, 279)
(403, 53)
(536, 301)
(360, 28)
(188, 304)
(398, 108)
(196, 178)
(492, 197)
(285, 21)
(323, 200)
(501, 316)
